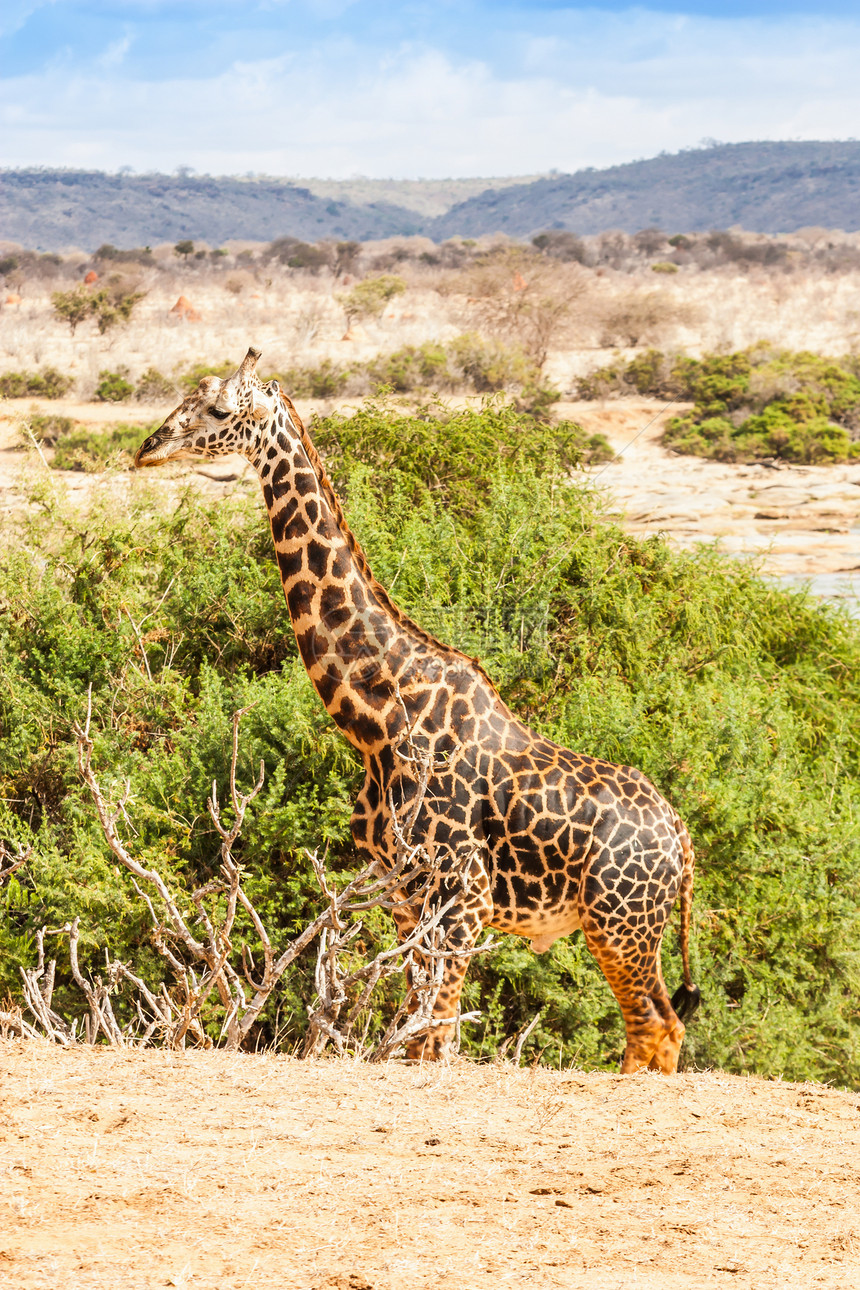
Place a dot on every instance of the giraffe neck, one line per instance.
(362, 654)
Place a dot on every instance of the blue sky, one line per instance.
(343, 87)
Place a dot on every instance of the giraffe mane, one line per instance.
(402, 619)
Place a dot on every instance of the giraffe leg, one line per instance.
(461, 926)
(654, 1031)
(625, 903)
(436, 1043)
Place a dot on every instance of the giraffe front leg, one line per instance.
(460, 928)
(436, 1043)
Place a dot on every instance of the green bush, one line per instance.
(414, 367)
(114, 304)
(759, 402)
(189, 380)
(368, 298)
(109, 305)
(46, 384)
(47, 428)
(113, 387)
(92, 450)
(326, 381)
(664, 266)
(73, 307)
(453, 454)
(740, 700)
(153, 387)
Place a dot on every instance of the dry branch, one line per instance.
(12, 858)
(204, 957)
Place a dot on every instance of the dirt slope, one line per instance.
(208, 1170)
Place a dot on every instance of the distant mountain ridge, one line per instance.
(764, 187)
(52, 210)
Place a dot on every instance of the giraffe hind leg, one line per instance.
(654, 1030)
(631, 964)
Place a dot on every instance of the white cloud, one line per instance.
(611, 89)
(16, 12)
(115, 54)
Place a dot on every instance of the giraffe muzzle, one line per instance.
(157, 448)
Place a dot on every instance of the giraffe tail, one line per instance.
(687, 997)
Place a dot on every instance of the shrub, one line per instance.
(368, 298)
(189, 380)
(47, 428)
(296, 254)
(664, 266)
(110, 305)
(153, 387)
(754, 403)
(73, 306)
(113, 387)
(490, 365)
(740, 700)
(468, 363)
(137, 255)
(648, 241)
(634, 317)
(768, 403)
(114, 304)
(326, 381)
(739, 250)
(452, 453)
(46, 384)
(414, 367)
(92, 450)
(560, 244)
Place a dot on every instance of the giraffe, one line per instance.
(528, 837)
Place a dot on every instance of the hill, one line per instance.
(59, 209)
(764, 187)
(214, 1171)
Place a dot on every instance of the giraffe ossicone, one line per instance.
(556, 841)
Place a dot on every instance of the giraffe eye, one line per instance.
(218, 414)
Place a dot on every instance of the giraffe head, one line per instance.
(220, 417)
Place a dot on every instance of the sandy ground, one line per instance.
(797, 522)
(204, 1169)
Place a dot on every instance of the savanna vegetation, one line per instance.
(755, 403)
(469, 363)
(740, 700)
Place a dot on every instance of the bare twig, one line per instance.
(12, 860)
(523, 1036)
(205, 958)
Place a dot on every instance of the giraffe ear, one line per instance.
(263, 404)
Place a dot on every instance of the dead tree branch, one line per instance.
(204, 956)
(12, 858)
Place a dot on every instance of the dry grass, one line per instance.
(204, 1169)
(295, 319)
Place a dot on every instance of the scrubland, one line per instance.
(596, 297)
(469, 484)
